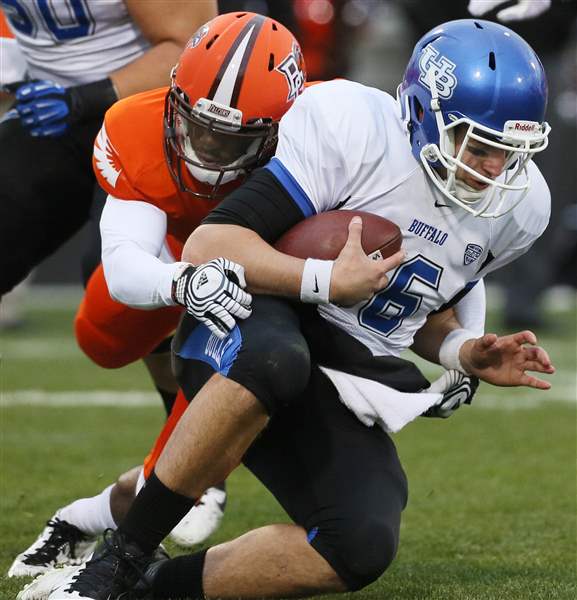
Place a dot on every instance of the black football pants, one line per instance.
(46, 191)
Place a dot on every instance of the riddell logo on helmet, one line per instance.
(217, 110)
(522, 127)
(525, 126)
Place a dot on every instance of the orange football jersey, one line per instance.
(129, 163)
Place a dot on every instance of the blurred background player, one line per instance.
(79, 60)
(166, 157)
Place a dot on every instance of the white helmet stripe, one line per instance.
(225, 88)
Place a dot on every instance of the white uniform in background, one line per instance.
(74, 43)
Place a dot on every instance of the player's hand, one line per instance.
(355, 276)
(43, 108)
(505, 360)
(47, 109)
(214, 294)
(523, 9)
(457, 389)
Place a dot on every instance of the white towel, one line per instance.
(373, 402)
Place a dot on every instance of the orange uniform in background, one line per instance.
(129, 163)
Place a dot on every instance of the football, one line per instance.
(324, 235)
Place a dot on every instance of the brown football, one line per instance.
(324, 235)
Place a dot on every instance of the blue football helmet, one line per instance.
(484, 77)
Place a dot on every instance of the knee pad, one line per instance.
(276, 370)
(359, 551)
(266, 354)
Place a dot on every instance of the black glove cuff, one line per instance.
(91, 100)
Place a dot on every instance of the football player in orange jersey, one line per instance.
(166, 157)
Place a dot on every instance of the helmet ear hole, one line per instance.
(418, 109)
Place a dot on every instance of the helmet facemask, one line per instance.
(211, 140)
(520, 140)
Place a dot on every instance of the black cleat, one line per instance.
(111, 574)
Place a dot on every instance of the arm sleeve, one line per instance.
(134, 254)
(261, 204)
(471, 308)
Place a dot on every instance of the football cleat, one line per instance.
(59, 544)
(202, 520)
(112, 572)
(46, 583)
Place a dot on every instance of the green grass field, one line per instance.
(492, 508)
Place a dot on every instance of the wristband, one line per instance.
(91, 100)
(316, 281)
(450, 348)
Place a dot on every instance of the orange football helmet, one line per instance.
(236, 78)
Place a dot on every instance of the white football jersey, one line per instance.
(74, 41)
(344, 146)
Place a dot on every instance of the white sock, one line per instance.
(90, 515)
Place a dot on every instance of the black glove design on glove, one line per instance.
(457, 389)
(213, 293)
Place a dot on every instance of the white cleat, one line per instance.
(60, 544)
(202, 520)
(46, 584)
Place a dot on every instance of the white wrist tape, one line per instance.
(451, 346)
(316, 281)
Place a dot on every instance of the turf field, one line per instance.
(492, 509)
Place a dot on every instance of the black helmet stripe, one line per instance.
(256, 24)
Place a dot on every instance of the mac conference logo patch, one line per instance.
(472, 253)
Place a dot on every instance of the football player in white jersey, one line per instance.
(292, 392)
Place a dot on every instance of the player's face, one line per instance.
(482, 158)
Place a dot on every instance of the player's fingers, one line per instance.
(534, 382)
(238, 270)
(487, 341)
(219, 320)
(393, 261)
(355, 234)
(539, 354)
(525, 337)
(214, 327)
(239, 295)
(240, 311)
(534, 365)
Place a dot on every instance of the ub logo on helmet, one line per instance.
(443, 69)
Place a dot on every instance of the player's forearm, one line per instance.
(167, 25)
(150, 71)
(267, 271)
(429, 338)
(138, 279)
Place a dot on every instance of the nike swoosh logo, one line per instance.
(316, 288)
(441, 205)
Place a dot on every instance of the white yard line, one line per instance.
(519, 400)
(92, 398)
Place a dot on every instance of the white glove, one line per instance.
(456, 387)
(524, 9)
(213, 293)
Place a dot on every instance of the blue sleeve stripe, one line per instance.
(292, 186)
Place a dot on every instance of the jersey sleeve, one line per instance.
(309, 162)
(108, 164)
